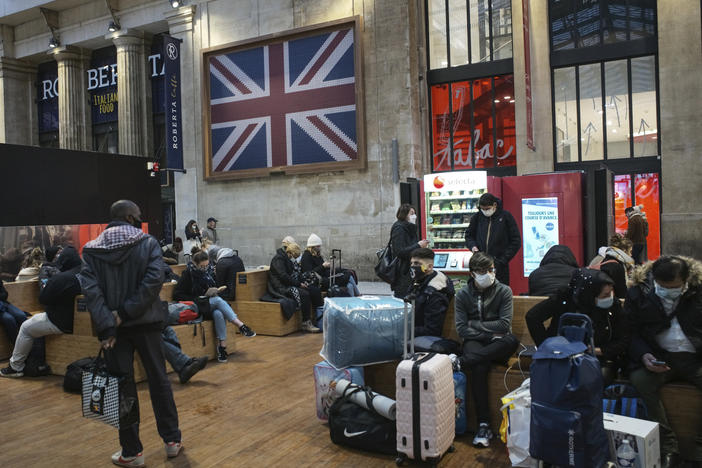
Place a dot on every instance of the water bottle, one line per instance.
(626, 455)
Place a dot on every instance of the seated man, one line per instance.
(58, 296)
(432, 291)
(484, 322)
(554, 271)
(664, 306)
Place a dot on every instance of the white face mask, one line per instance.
(604, 303)
(668, 293)
(484, 281)
(489, 212)
(412, 218)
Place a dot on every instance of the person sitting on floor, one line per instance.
(282, 282)
(484, 322)
(31, 265)
(432, 291)
(313, 261)
(590, 292)
(196, 283)
(11, 317)
(665, 309)
(57, 296)
(228, 265)
(554, 272)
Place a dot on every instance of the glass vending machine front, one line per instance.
(451, 199)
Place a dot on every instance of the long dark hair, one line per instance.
(403, 211)
(191, 233)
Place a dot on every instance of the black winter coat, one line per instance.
(192, 284)
(431, 304)
(648, 318)
(60, 289)
(280, 275)
(497, 235)
(3, 293)
(554, 271)
(225, 275)
(615, 270)
(403, 240)
(125, 276)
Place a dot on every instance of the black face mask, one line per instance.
(136, 222)
(416, 273)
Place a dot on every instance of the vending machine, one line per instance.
(449, 201)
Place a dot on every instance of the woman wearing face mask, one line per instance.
(484, 322)
(590, 292)
(192, 239)
(196, 282)
(403, 240)
(312, 261)
(494, 231)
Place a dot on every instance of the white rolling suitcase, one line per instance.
(426, 419)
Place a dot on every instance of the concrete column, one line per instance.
(18, 113)
(541, 158)
(680, 68)
(74, 110)
(181, 26)
(132, 122)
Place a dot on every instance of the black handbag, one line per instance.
(386, 268)
(203, 306)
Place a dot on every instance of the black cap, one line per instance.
(212, 219)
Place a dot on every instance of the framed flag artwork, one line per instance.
(289, 102)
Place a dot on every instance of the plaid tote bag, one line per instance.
(103, 398)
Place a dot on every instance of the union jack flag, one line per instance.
(284, 104)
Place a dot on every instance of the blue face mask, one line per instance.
(605, 303)
(668, 293)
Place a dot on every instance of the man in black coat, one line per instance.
(432, 291)
(494, 231)
(665, 306)
(121, 278)
(554, 272)
(57, 295)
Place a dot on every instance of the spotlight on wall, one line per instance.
(113, 26)
(176, 3)
(54, 43)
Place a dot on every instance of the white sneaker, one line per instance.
(137, 461)
(482, 438)
(308, 327)
(173, 449)
(455, 362)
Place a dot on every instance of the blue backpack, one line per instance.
(566, 407)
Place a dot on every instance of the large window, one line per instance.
(473, 124)
(462, 32)
(606, 110)
(585, 23)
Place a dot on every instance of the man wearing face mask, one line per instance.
(484, 322)
(665, 306)
(494, 231)
(590, 292)
(432, 291)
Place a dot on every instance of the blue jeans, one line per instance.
(353, 287)
(11, 318)
(174, 355)
(222, 313)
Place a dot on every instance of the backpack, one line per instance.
(598, 266)
(566, 408)
(357, 427)
(625, 400)
(35, 365)
(183, 312)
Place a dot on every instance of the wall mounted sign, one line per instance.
(539, 230)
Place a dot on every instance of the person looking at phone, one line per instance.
(197, 285)
(665, 306)
(404, 239)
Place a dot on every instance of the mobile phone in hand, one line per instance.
(656, 362)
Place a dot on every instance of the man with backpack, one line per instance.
(664, 306)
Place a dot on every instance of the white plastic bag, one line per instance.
(516, 421)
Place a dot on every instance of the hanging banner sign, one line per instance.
(527, 76)
(172, 84)
(539, 230)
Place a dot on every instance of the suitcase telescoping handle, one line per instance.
(408, 348)
(335, 253)
(577, 327)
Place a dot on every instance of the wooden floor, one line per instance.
(257, 410)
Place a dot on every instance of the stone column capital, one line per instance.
(15, 68)
(128, 37)
(63, 53)
(180, 19)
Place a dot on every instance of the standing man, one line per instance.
(494, 231)
(121, 278)
(210, 232)
(636, 232)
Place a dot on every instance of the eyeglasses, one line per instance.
(483, 272)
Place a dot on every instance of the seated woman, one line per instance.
(554, 272)
(31, 265)
(484, 322)
(197, 283)
(590, 292)
(283, 282)
(618, 263)
(228, 265)
(313, 261)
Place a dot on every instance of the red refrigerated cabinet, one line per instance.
(523, 193)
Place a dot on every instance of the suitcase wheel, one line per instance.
(451, 449)
(400, 460)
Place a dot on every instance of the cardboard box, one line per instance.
(642, 435)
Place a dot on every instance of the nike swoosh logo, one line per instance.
(353, 434)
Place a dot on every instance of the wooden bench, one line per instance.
(179, 268)
(265, 318)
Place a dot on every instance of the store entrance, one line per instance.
(639, 189)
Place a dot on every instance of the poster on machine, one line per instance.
(539, 230)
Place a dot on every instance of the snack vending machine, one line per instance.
(449, 201)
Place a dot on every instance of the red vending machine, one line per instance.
(548, 209)
(449, 200)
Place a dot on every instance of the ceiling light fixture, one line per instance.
(54, 43)
(113, 26)
(175, 3)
